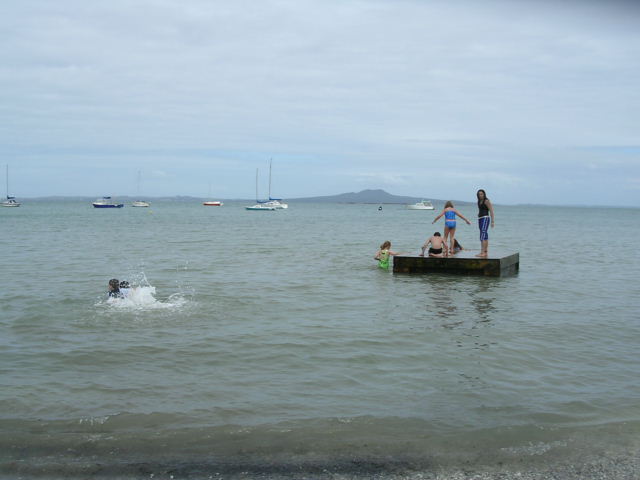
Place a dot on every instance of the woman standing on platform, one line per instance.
(485, 215)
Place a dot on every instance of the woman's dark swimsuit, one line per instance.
(483, 210)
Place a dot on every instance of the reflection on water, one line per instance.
(482, 299)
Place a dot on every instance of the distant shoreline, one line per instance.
(438, 203)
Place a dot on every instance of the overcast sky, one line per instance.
(534, 102)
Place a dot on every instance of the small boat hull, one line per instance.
(106, 202)
(277, 204)
(212, 204)
(10, 202)
(261, 208)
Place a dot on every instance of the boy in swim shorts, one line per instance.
(438, 246)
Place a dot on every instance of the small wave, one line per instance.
(143, 298)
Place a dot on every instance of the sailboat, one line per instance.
(260, 206)
(140, 203)
(274, 202)
(10, 201)
(212, 203)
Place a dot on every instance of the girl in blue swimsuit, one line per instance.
(450, 213)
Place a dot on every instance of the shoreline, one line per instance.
(618, 467)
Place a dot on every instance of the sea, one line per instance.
(269, 344)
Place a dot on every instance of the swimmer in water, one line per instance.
(125, 288)
(114, 289)
(383, 255)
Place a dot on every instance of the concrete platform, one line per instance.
(464, 263)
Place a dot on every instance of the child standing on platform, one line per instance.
(450, 213)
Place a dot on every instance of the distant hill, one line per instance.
(365, 196)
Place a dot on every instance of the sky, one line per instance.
(534, 102)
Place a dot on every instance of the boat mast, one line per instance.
(257, 185)
(270, 161)
(7, 177)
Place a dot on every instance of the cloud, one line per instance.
(502, 90)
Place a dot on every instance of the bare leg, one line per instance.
(484, 249)
(452, 233)
(447, 232)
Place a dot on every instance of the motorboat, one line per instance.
(106, 202)
(421, 205)
(10, 201)
(212, 203)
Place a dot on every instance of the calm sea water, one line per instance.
(271, 338)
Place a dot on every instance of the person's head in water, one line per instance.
(437, 234)
(482, 196)
(449, 204)
(124, 284)
(114, 285)
(386, 245)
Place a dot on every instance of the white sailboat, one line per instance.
(140, 203)
(10, 201)
(260, 206)
(277, 203)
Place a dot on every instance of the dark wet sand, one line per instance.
(606, 467)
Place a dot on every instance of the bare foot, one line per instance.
(481, 255)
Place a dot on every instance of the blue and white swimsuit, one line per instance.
(450, 219)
